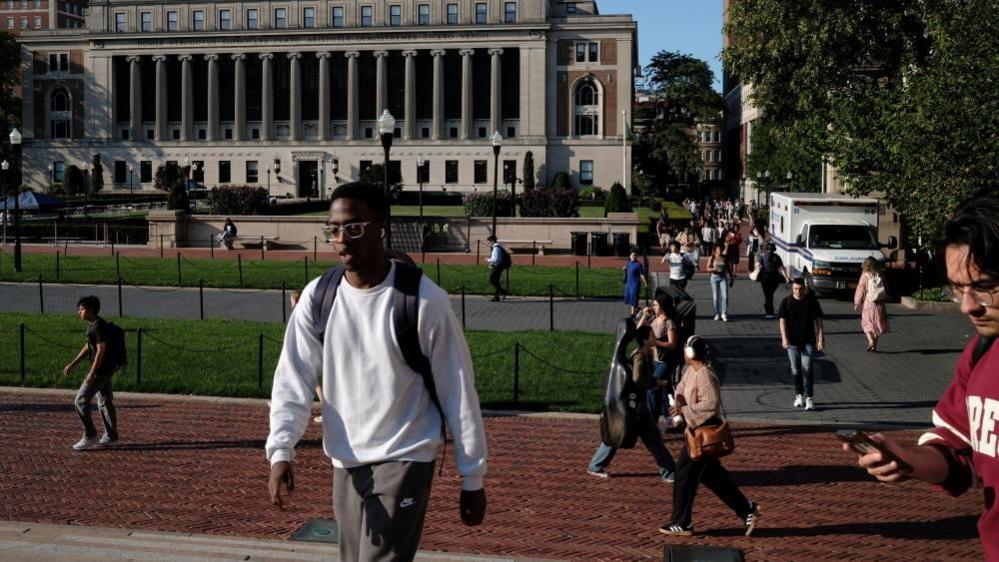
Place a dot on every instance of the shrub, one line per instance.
(528, 171)
(592, 193)
(550, 203)
(97, 175)
(561, 181)
(237, 200)
(617, 200)
(73, 180)
(481, 204)
(167, 175)
(178, 198)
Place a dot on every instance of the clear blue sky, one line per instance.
(687, 26)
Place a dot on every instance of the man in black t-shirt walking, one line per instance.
(98, 381)
(801, 334)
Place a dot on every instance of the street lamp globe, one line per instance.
(496, 139)
(386, 123)
(5, 165)
(766, 174)
(789, 176)
(15, 136)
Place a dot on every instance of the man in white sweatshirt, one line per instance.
(380, 426)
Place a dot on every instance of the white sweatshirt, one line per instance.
(375, 407)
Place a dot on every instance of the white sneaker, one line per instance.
(724, 318)
(799, 400)
(809, 405)
(86, 443)
(717, 317)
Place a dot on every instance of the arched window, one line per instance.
(586, 102)
(60, 101)
(60, 113)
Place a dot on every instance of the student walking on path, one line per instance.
(772, 273)
(680, 266)
(721, 281)
(802, 335)
(869, 298)
(104, 348)
(499, 261)
(634, 280)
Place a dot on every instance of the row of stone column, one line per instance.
(296, 129)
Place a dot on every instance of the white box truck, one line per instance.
(825, 238)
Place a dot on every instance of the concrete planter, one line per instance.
(931, 306)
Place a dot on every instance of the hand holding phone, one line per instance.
(863, 445)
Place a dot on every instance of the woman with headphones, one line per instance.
(666, 341)
(698, 400)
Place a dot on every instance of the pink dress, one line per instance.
(873, 317)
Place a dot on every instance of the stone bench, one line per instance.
(534, 245)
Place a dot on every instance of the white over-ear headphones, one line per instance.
(382, 233)
(688, 349)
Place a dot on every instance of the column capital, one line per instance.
(321, 56)
(466, 52)
(212, 57)
(352, 54)
(496, 51)
(184, 58)
(159, 58)
(133, 58)
(409, 53)
(238, 56)
(266, 56)
(294, 56)
(379, 54)
(438, 53)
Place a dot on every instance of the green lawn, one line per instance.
(220, 358)
(524, 280)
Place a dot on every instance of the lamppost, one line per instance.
(268, 182)
(420, 163)
(756, 185)
(742, 188)
(790, 176)
(497, 142)
(766, 181)
(3, 180)
(15, 145)
(386, 129)
(51, 174)
(86, 178)
(131, 174)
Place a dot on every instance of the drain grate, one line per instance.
(318, 530)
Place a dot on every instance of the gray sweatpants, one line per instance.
(380, 509)
(105, 403)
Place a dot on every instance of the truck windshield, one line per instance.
(842, 237)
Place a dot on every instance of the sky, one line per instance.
(688, 26)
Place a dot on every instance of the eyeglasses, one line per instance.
(352, 230)
(982, 295)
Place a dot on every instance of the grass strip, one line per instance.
(220, 358)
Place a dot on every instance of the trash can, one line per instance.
(598, 244)
(622, 244)
(578, 243)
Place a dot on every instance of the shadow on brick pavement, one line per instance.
(197, 466)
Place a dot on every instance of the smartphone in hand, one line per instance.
(863, 444)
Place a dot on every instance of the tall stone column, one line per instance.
(186, 99)
(266, 97)
(160, 132)
(496, 101)
(409, 123)
(213, 97)
(135, 98)
(381, 82)
(353, 106)
(296, 94)
(240, 101)
(324, 96)
(466, 93)
(438, 130)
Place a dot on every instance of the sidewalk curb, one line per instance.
(931, 306)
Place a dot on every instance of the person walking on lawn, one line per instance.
(103, 339)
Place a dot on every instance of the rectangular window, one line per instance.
(580, 52)
(480, 12)
(225, 171)
(199, 20)
(149, 134)
(280, 18)
(452, 14)
(38, 4)
(511, 132)
(510, 12)
(225, 20)
(423, 14)
(453, 132)
(481, 171)
(228, 134)
(570, 8)
(423, 172)
(338, 16)
(24, 22)
(425, 132)
(395, 15)
(119, 23)
(172, 21)
(251, 171)
(10, 4)
(308, 18)
(252, 19)
(38, 22)
(63, 62)
(450, 171)
(58, 171)
(175, 134)
(586, 172)
(24, 4)
(147, 22)
(366, 16)
(53, 63)
(509, 171)
(482, 132)
(10, 23)
(120, 172)
(594, 52)
(145, 171)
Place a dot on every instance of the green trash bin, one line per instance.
(598, 244)
(578, 243)
(622, 244)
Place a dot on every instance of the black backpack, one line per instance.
(405, 318)
(115, 352)
(684, 316)
(506, 261)
(620, 420)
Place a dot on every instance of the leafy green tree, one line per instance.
(375, 175)
(167, 176)
(778, 155)
(178, 198)
(528, 174)
(561, 181)
(617, 200)
(899, 95)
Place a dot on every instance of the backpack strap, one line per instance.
(981, 347)
(322, 299)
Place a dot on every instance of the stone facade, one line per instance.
(285, 95)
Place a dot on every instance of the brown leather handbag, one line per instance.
(710, 440)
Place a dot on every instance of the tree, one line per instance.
(375, 175)
(899, 95)
(97, 174)
(10, 104)
(617, 200)
(775, 153)
(178, 198)
(561, 181)
(73, 180)
(168, 175)
(528, 174)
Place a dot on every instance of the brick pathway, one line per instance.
(197, 466)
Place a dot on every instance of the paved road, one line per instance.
(898, 385)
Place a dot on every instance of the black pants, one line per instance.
(690, 473)
(682, 283)
(769, 285)
(495, 277)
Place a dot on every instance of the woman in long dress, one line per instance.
(869, 299)
(634, 279)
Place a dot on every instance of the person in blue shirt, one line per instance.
(634, 278)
